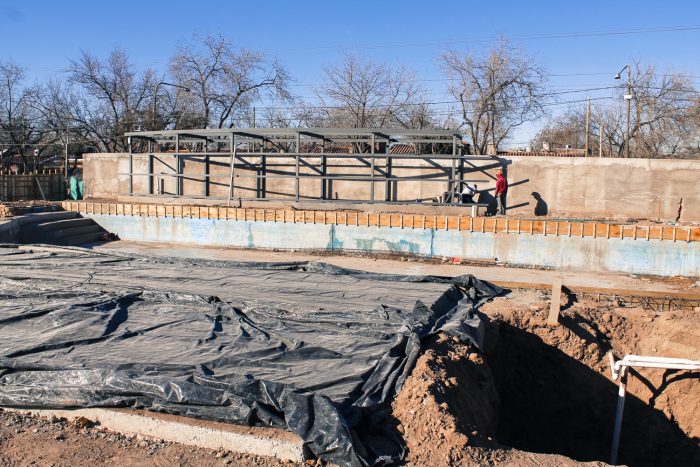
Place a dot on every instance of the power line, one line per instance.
(521, 37)
(434, 80)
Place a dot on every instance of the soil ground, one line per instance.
(30, 440)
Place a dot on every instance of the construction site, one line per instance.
(327, 296)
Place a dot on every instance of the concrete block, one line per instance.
(273, 442)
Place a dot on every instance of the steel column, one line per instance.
(131, 166)
(388, 195)
(263, 168)
(233, 165)
(178, 167)
(371, 189)
(296, 169)
(324, 171)
(150, 172)
(206, 175)
(451, 185)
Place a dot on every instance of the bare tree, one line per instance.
(225, 81)
(297, 115)
(361, 94)
(664, 119)
(112, 98)
(566, 130)
(20, 126)
(661, 113)
(693, 119)
(497, 92)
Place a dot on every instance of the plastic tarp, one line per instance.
(310, 347)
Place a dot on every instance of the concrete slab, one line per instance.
(272, 442)
(511, 277)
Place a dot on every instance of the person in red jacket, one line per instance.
(501, 190)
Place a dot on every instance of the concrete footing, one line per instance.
(272, 442)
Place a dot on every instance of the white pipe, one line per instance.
(619, 370)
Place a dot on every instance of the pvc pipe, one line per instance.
(619, 370)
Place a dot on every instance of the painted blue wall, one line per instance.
(655, 257)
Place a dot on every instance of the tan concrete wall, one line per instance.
(607, 188)
(568, 187)
(100, 174)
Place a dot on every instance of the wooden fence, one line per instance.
(21, 187)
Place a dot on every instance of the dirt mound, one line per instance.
(448, 403)
(448, 412)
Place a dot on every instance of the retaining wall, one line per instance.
(665, 189)
(545, 186)
(595, 247)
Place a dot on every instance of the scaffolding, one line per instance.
(292, 157)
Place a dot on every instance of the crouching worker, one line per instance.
(468, 193)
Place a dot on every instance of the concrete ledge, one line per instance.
(272, 442)
(435, 221)
(561, 252)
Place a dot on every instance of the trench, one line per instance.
(553, 403)
(537, 392)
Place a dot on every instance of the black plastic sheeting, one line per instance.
(310, 347)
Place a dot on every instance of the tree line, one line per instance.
(210, 83)
(664, 119)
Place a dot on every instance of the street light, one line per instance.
(628, 98)
(155, 97)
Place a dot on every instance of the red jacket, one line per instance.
(501, 184)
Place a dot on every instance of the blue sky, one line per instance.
(307, 35)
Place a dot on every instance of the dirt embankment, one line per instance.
(543, 395)
(448, 412)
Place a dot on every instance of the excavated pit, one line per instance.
(542, 395)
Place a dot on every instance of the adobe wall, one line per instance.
(566, 187)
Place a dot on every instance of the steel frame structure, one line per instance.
(270, 144)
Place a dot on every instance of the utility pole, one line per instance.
(628, 98)
(629, 103)
(600, 142)
(588, 122)
(253, 117)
